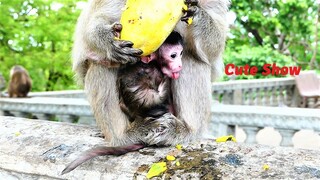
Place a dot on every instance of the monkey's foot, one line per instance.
(98, 134)
(162, 130)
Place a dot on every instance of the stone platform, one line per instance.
(37, 149)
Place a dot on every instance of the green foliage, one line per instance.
(283, 29)
(38, 36)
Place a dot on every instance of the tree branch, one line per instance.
(281, 41)
(315, 51)
(255, 32)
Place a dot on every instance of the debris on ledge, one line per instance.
(41, 149)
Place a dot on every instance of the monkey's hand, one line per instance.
(190, 11)
(122, 51)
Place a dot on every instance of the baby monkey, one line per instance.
(144, 87)
(169, 55)
(144, 92)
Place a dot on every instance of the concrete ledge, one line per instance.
(261, 116)
(49, 105)
(59, 94)
(33, 149)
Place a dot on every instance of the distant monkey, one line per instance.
(20, 82)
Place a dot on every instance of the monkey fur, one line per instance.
(20, 82)
(168, 55)
(144, 87)
(204, 42)
(144, 92)
(202, 61)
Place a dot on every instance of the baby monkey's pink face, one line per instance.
(169, 58)
(171, 64)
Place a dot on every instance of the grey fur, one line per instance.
(204, 43)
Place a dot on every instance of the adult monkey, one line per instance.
(20, 82)
(202, 61)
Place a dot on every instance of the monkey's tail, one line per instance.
(101, 151)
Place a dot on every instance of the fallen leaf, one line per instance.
(156, 169)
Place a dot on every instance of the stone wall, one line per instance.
(36, 149)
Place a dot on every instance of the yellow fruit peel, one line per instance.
(17, 133)
(226, 138)
(179, 146)
(189, 21)
(156, 169)
(148, 23)
(170, 158)
(265, 167)
(178, 163)
(185, 7)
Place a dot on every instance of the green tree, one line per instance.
(277, 29)
(38, 35)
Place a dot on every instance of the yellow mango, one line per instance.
(148, 23)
